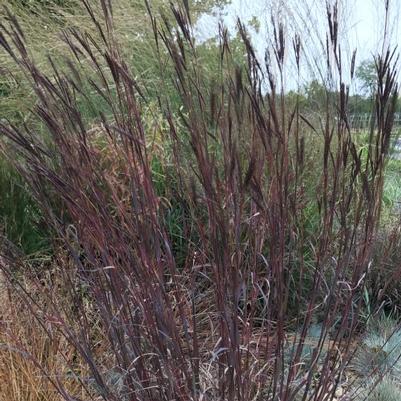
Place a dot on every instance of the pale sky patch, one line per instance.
(361, 25)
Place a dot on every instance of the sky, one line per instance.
(361, 25)
(366, 30)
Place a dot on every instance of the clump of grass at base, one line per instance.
(381, 389)
(34, 357)
(380, 352)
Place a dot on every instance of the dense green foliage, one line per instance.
(21, 219)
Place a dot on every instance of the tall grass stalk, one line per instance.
(216, 326)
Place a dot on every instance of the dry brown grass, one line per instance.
(29, 357)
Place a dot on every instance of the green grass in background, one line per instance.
(20, 218)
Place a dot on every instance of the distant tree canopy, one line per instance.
(313, 96)
(366, 75)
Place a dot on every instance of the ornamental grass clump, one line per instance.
(382, 389)
(380, 352)
(386, 390)
(213, 323)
